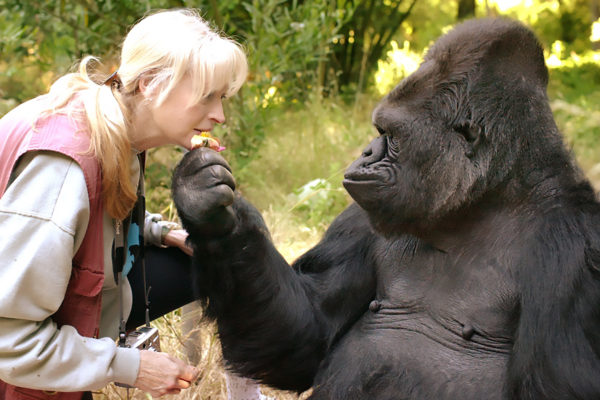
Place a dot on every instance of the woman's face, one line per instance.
(177, 120)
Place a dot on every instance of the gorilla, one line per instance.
(467, 267)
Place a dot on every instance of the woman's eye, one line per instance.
(212, 96)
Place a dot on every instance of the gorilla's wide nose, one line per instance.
(372, 154)
(375, 150)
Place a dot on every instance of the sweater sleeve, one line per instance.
(155, 229)
(43, 216)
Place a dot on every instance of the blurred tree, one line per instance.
(574, 21)
(364, 37)
(466, 9)
(595, 16)
(569, 21)
(46, 37)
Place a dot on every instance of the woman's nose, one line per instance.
(216, 113)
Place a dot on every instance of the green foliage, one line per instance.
(317, 141)
(427, 21)
(565, 20)
(574, 88)
(577, 83)
(317, 202)
(160, 163)
(286, 41)
(570, 23)
(19, 64)
(364, 37)
(398, 64)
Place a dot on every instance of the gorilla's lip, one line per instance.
(361, 191)
(361, 177)
(352, 185)
(359, 181)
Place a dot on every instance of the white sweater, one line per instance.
(43, 218)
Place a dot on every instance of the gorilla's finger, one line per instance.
(217, 175)
(224, 195)
(205, 156)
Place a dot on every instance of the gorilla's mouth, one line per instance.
(360, 186)
(362, 192)
(357, 181)
(367, 185)
(380, 174)
(355, 187)
(361, 176)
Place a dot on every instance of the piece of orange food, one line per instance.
(204, 139)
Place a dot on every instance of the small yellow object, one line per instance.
(204, 139)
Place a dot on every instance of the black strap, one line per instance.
(120, 249)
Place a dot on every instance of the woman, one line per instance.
(69, 173)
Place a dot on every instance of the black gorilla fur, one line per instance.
(468, 268)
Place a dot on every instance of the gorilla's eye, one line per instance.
(468, 130)
(380, 129)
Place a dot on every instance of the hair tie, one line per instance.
(113, 80)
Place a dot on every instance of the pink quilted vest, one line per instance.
(82, 303)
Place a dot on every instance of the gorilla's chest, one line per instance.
(441, 327)
(467, 299)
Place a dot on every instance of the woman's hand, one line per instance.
(161, 373)
(176, 238)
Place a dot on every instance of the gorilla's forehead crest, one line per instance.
(503, 46)
(482, 52)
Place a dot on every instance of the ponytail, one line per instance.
(104, 113)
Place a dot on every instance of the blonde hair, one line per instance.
(163, 47)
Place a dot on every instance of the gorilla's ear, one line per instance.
(472, 133)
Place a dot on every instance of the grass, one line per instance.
(575, 101)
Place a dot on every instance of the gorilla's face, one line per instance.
(455, 131)
(424, 164)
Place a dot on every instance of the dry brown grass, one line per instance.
(211, 385)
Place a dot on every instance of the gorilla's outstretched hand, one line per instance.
(203, 191)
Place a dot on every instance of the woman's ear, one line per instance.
(144, 86)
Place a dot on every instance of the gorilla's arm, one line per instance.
(557, 343)
(275, 323)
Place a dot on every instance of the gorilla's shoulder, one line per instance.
(570, 226)
(353, 220)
